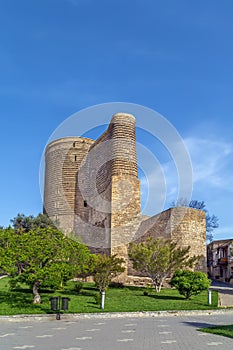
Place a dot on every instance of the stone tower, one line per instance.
(93, 190)
(92, 187)
(63, 158)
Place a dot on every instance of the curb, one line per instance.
(112, 315)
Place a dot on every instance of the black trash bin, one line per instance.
(54, 301)
(64, 303)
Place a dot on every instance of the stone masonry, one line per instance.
(93, 190)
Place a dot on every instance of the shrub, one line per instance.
(189, 283)
(78, 285)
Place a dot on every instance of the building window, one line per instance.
(75, 158)
(85, 203)
(73, 144)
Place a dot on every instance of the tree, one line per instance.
(106, 268)
(23, 223)
(159, 258)
(43, 256)
(211, 220)
(189, 283)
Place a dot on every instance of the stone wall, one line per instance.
(92, 188)
(185, 226)
(63, 158)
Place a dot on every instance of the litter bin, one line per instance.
(54, 302)
(64, 303)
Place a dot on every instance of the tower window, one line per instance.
(75, 158)
(85, 203)
(73, 144)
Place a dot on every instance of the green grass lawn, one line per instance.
(19, 301)
(226, 331)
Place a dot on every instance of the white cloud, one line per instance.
(212, 162)
(159, 187)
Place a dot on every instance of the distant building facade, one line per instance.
(220, 260)
(92, 188)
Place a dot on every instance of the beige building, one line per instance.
(220, 260)
(92, 188)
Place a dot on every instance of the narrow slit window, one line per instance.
(75, 158)
(85, 203)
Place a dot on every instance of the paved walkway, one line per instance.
(225, 293)
(129, 333)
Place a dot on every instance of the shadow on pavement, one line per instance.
(199, 324)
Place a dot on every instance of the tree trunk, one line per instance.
(158, 288)
(36, 294)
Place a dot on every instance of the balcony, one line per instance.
(223, 261)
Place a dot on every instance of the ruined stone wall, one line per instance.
(186, 226)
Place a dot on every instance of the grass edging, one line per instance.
(225, 331)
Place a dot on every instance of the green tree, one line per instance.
(189, 283)
(43, 256)
(106, 268)
(23, 223)
(211, 220)
(159, 258)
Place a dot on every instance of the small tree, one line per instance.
(189, 283)
(106, 268)
(43, 256)
(159, 258)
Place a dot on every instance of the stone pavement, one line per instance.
(104, 332)
(225, 293)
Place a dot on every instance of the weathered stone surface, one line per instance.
(92, 188)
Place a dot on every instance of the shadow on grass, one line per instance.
(165, 297)
(23, 301)
(94, 305)
(84, 292)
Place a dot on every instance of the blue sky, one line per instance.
(60, 56)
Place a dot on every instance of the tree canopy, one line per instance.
(159, 258)
(25, 223)
(41, 257)
(189, 283)
(106, 268)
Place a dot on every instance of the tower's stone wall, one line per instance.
(92, 188)
(63, 158)
(112, 192)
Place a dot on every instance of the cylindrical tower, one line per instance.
(62, 162)
(123, 135)
(125, 185)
